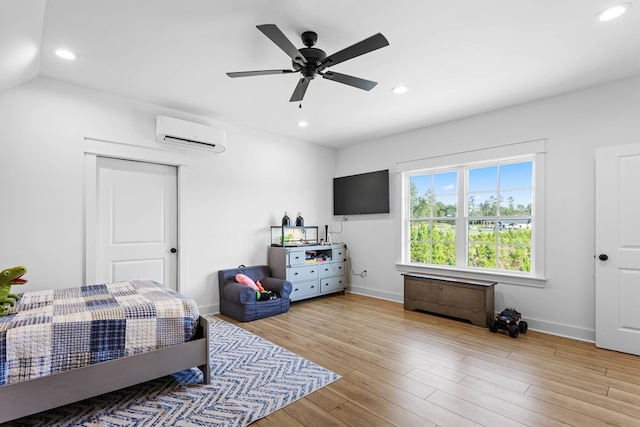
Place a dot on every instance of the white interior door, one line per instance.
(137, 221)
(618, 248)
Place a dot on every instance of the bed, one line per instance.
(64, 345)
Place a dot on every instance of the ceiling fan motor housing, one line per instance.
(313, 56)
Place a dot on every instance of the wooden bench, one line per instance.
(467, 299)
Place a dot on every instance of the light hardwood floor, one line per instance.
(403, 368)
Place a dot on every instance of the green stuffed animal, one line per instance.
(8, 277)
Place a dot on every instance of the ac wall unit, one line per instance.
(176, 131)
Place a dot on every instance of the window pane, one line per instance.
(516, 175)
(481, 231)
(482, 255)
(421, 231)
(483, 179)
(420, 207)
(421, 184)
(515, 234)
(444, 254)
(421, 252)
(420, 187)
(515, 258)
(434, 195)
(444, 231)
(445, 183)
(483, 204)
(445, 206)
(516, 202)
(433, 242)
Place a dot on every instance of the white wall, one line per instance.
(232, 197)
(574, 126)
(235, 196)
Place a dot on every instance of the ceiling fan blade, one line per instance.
(258, 73)
(374, 42)
(300, 90)
(350, 80)
(276, 36)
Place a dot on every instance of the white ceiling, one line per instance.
(458, 57)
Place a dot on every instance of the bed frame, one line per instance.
(40, 394)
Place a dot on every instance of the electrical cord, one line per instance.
(363, 273)
(344, 218)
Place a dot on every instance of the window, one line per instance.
(481, 216)
(433, 201)
(499, 216)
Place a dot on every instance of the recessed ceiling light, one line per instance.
(400, 89)
(303, 124)
(65, 54)
(613, 12)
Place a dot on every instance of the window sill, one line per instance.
(505, 278)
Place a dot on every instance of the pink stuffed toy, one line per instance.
(247, 281)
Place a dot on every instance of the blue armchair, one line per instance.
(239, 301)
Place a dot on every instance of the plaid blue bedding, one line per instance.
(60, 329)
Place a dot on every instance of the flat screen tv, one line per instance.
(365, 193)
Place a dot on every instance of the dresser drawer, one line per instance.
(332, 269)
(332, 284)
(304, 290)
(339, 254)
(295, 258)
(303, 273)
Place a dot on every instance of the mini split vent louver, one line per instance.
(194, 135)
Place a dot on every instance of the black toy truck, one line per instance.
(509, 320)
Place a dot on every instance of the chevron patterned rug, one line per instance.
(250, 378)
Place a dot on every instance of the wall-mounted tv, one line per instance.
(365, 193)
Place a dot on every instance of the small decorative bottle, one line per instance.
(285, 219)
(299, 220)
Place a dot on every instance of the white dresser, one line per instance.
(313, 270)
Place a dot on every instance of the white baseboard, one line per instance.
(567, 331)
(538, 325)
(367, 292)
(209, 309)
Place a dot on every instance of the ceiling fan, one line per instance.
(311, 62)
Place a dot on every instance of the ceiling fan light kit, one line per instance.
(310, 61)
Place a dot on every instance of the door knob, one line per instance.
(603, 257)
(174, 250)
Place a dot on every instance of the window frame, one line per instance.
(526, 151)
